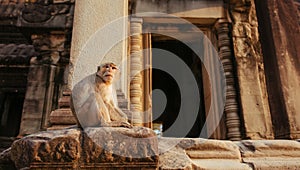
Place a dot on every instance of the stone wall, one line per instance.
(286, 33)
(279, 30)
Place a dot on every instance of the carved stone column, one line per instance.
(231, 106)
(39, 97)
(147, 80)
(35, 97)
(136, 66)
(250, 70)
(87, 52)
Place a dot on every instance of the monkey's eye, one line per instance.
(114, 68)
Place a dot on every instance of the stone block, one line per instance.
(175, 158)
(93, 148)
(60, 127)
(5, 161)
(62, 117)
(215, 154)
(51, 149)
(119, 147)
(271, 154)
(199, 154)
(210, 149)
(64, 101)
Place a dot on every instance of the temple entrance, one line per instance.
(12, 94)
(167, 84)
(11, 105)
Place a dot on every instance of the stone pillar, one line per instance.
(136, 67)
(90, 17)
(250, 71)
(57, 47)
(147, 73)
(38, 102)
(282, 57)
(49, 96)
(34, 102)
(231, 106)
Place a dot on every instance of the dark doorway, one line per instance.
(166, 83)
(12, 94)
(11, 105)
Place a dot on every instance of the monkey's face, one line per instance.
(107, 72)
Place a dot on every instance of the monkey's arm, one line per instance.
(116, 114)
(115, 120)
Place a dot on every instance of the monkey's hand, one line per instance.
(126, 125)
(120, 124)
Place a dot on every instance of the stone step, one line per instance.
(64, 102)
(62, 116)
(122, 101)
(120, 93)
(61, 127)
(67, 92)
(200, 154)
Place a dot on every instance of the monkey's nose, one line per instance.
(111, 69)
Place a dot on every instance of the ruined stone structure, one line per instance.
(43, 53)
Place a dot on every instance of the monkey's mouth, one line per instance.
(108, 75)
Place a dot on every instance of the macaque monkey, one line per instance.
(94, 100)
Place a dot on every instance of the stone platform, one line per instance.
(227, 155)
(92, 148)
(139, 148)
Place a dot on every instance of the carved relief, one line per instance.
(36, 13)
(10, 9)
(44, 13)
(16, 54)
(49, 46)
(250, 70)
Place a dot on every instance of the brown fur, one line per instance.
(94, 103)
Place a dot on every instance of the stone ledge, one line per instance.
(267, 148)
(277, 163)
(200, 154)
(271, 154)
(209, 148)
(108, 148)
(215, 154)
